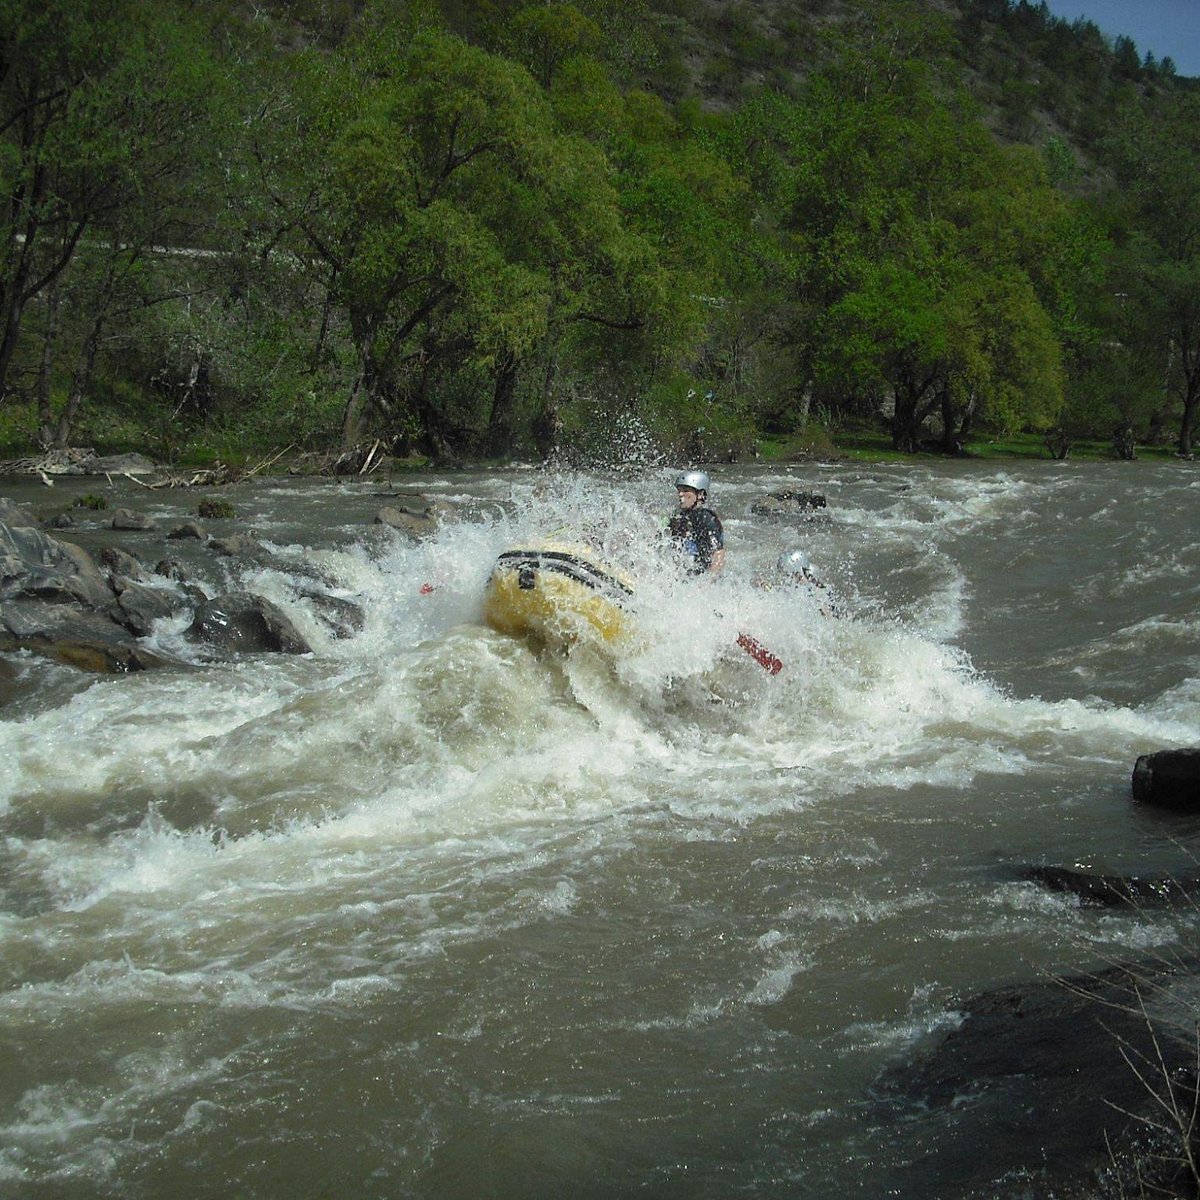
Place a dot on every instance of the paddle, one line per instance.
(761, 655)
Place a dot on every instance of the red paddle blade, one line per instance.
(760, 653)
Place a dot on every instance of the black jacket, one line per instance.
(698, 533)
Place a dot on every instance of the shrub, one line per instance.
(216, 509)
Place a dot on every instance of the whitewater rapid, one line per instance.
(431, 906)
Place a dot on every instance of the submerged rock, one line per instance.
(343, 618)
(789, 503)
(1168, 779)
(1115, 890)
(414, 514)
(234, 545)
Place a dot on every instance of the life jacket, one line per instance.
(697, 532)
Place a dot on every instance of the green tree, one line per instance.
(103, 127)
(923, 273)
(457, 229)
(546, 35)
(1157, 156)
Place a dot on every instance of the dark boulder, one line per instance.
(120, 562)
(187, 530)
(55, 601)
(1031, 1091)
(170, 568)
(71, 634)
(246, 624)
(1168, 779)
(215, 509)
(34, 564)
(139, 605)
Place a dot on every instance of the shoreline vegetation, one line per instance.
(208, 465)
(480, 233)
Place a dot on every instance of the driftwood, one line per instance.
(74, 462)
(365, 458)
(213, 476)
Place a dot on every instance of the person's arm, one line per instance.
(718, 560)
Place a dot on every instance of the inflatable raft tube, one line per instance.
(556, 593)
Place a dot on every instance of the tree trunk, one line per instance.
(1185, 425)
(81, 377)
(904, 410)
(1191, 398)
(1059, 442)
(500, 434)
(950, 444)
(45, 412)
(358, 402)
(954, 427)
(22, 286)
(910, 413)
(352, 414)
(547, 426)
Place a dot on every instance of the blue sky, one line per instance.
(1168, 27)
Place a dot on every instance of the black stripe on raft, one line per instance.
(562, 563)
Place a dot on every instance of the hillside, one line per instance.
(1035, 77)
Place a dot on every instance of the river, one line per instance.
(431, 914)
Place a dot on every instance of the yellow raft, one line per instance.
(556, 592)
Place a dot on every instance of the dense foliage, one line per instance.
(502, 227)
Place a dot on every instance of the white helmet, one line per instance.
(795, 562)
(696, 480)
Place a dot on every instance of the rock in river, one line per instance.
(1168, 779)
(246, 624)
(789, 504)
(1033, 1086)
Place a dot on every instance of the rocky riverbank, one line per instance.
(94, 608)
